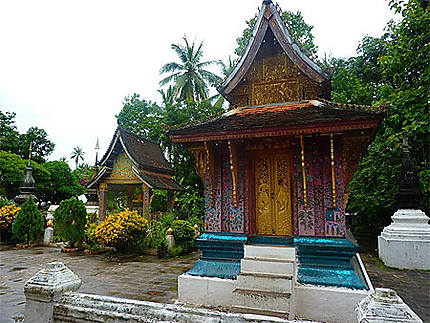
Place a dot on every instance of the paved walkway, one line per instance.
(149, 278)
(143, 278)
(412, 286)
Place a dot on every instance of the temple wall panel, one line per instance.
(222, 215)
(317, 217)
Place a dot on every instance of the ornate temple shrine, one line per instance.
(276, 169)
(134, 165)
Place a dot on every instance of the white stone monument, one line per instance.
(405, 243)
(385, 306)
(46, 287)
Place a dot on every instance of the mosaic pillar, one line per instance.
(146, 203)
(103, 191)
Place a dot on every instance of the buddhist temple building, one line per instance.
(276, 168)
(134, 165)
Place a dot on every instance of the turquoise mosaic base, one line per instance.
(327, 262)
(222, 253)
(216, 268)
(271, 240)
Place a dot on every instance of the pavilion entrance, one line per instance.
(273, 194)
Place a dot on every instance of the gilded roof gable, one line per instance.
(273, 69)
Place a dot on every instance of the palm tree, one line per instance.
(229, 67)
(77, 154)
(190, 77)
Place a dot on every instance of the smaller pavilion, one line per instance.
(134, 165)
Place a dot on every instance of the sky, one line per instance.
(66, 66)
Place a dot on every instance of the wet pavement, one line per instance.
(149, 278)
(143, 278)
(412, 286)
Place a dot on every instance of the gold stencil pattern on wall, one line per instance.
(276, 92)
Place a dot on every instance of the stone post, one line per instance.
(384, 305)
(103, 191)
(43, 289)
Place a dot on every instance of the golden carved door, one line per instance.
(273, 197)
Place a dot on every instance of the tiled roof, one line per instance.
(148, 160)
(144, 152)
(311, 112)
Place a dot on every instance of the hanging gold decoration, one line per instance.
(233, 169)
(302, 147)
(333, 175)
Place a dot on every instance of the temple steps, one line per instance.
(265, 284)
(270, 266)
(257, 301)
(273, 252)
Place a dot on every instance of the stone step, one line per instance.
(267, 266)
(262, 300)
(273, 252)
(249, 310)
(265, 282)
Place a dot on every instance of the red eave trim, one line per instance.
(278, 131)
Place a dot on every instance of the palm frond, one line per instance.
(172, 77)
(171, 67)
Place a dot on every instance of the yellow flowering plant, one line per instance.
(121, 230)
(8, 214)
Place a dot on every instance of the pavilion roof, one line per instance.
(303, 117)
(269, 18)
(145, 153)
(148, 161)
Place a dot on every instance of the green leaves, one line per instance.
(70, 221)
(29, 222)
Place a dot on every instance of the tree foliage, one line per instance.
(190, 76)
(405, 72)
(12, 171)
(29, 222)
(12, 141)
(63, 183)
(70, 220)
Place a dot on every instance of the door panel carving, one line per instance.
(263, 198)
(282, 190)
(273, 200)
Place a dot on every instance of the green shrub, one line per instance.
(4, 201)
(29, 222)
(123, 231)
(70, 220)
(182, 249)
(8, 214)
(183, 231)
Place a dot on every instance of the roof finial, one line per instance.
(266, 2)
(97, 144)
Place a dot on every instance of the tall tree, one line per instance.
(406, 70)
(41, 146)
(190, 76)
(12, 141)
(9, 135)
(298, 28)
(77, 154)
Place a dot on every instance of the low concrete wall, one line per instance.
(83, 308)
(208, 291)
(328, 304)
